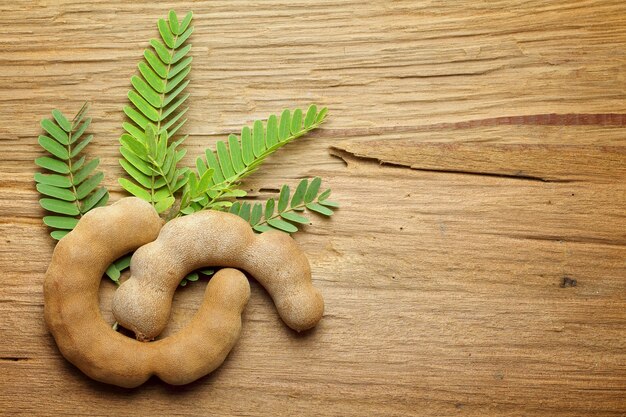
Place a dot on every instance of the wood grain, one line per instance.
(477, 265)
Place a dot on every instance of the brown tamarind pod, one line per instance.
(73, 316)
(211, 238)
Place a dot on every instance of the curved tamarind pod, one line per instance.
(211, 238)
(73, 316)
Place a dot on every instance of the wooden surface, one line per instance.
(477, 265)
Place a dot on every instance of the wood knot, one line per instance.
(568, 282)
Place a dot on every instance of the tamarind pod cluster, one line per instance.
(73, 316)
(210, 238)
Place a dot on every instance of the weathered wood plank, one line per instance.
(452, 285)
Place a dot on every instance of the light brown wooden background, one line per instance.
(442, 271)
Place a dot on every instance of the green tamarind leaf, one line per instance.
(143, 106)
(139, 119)
(60, 222)
(282, 225)
(321, 115)
(224, 159)
(89, 185)
(161, 51)
(319, 209)
(175, 81)
(172, 95)
(234, 209)
(269, 208)
(134, 189)
(136, 161)
(256, 214)
(244, 212)
(261, 228)
(137, 175)
(112, 272)
(298, 195)
(155, 63)
(324, 195)
(123, 262)
(309, 119)
(59, 234)
(313, 189)
(153, 79)
(294, 217)
(53, 179)
(54, 147)
(285, 125)
(58, 206)
(283, 198)
(235, 154)
(247, 148)
(79, 132)
(52, 164)
(61, 120)
(183, 37)
(56, 192)
(132, 144)
(258, 138)
(78, 164)
(78, 148)
(185, 23)
(147, 92)
(180, 54)
(173, 21)
(55, 131)
(176, 69)
(296, 121)
(205, 180)
(85, 171)
(329, 203)
(164, 204)
(271, 137)
(99, 198)
(166, 33)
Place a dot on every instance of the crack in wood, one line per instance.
(563, 239)
(346, 155)
(269, 190)
(13, 359)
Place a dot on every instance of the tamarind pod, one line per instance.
(210, 238)
(73, 316)
(204, 343)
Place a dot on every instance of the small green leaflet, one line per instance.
(60, 222)
(195, 275)
(115, 269)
